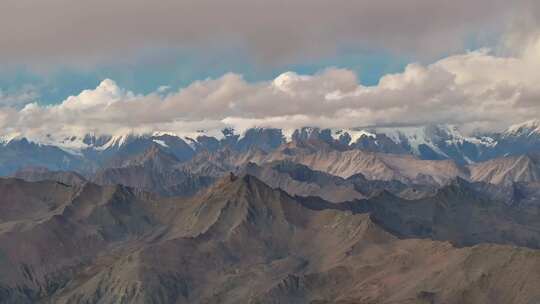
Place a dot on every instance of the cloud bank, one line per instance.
(66, 31)
(474, 90)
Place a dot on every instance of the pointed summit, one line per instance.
(153, 157)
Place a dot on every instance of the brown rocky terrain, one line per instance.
(507, 170)
(243, 242)
(298, 179)
(374, 166)
(155, 171)
(34, 174)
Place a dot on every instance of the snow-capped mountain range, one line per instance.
(86, 153)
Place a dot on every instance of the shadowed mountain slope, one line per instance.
(155, 171)
(460, 212)
(298, 179)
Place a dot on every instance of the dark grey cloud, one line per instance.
(86, 32)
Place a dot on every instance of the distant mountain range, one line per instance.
(90, 153)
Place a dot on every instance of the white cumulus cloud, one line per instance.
(475, 90)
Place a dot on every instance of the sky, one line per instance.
(75, 67)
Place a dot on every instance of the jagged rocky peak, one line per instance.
(155, 155)
(317, 138)
(312, 133)
(266, 139)
(95, 140)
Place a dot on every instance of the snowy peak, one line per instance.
(525, 129)
(432, 136)
(416, 137)
(427, 142)
(431, 142)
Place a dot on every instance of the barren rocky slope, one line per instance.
(507, 170)
(35, 174)
(239, 242)
(298, 179)
(156, 171)
(374, 166)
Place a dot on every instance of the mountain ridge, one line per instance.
(431, 142)
(242, 241)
